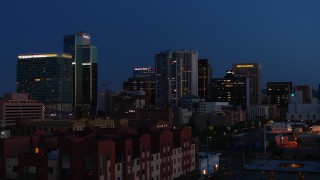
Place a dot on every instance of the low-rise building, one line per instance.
(100, 154)
(278, 127)
(302, 108)
(48, 126)
(16, 106)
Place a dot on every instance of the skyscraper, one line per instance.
(143, 80)
(204, 78)
(176, 76)
(253, 72)
(48, 79)
(230, 89)
(279, 93)
(85, 73)
(144, 72)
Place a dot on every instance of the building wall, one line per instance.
(204, 78)
(254, 112)
(14, 108)
(253, 72)
(33, 165)
(299, 110)
(92, 161)
(230, 89)
(193, 106)
(85, 73)
(279, 93)
(184, 116)
(150, 116)
(12, 147)
(177, 158)
(176, 76)
(162, 154)
(279, 127)
(12, 168)
(155, 166)
(143, 80)
(211, 119)
(208, 107)
(53, 173)
(45, 77)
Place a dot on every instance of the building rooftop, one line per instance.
(43, 55)
(285, 165)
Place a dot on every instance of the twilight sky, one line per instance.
(282, 35)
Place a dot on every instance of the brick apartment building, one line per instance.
(122, 154)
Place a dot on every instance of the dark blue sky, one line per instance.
(282, 35)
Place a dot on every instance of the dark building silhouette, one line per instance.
(204, 78)
(47, 77)
(143, 80)
(306, 92)
(120, 104)
(85, 73)
(230, 89)
(151, 117)
(279, 93)
(252, 71)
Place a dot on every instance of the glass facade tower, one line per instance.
(48, 79)
(176, 76)
(231, 89)
(85, 73)
(204, 78)
(252, 71)
(45, 77)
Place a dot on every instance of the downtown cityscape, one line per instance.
(178, 115)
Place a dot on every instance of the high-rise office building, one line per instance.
(231, 89)
(279, 93)
(48, 79)
(143, 80)
(144, 72)
(204, 78)
(85, 73)
(176, 76)
(253, 72)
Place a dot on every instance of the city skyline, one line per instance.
(278, 35)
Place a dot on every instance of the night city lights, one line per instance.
(160, 90)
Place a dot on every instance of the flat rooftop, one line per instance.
(284, 165)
